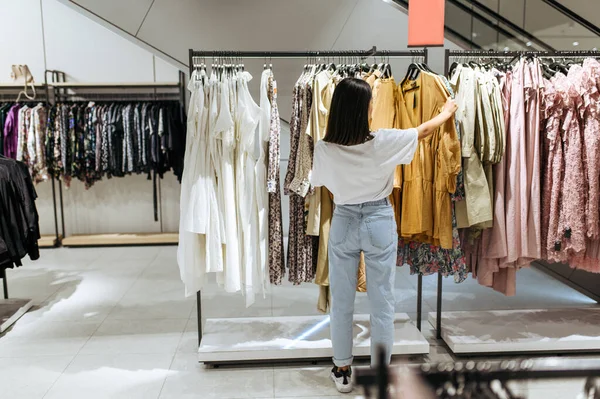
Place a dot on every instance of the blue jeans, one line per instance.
(370, 227)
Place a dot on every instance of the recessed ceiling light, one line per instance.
(506, 49)
(528, 44)
(575, 44)
(474, 34)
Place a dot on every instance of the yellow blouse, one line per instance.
(431, 176)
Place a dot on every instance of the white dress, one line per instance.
(215, 237)
(247, 121)
(189, 250)
(196, 211)
(262, 196)
(225, 129)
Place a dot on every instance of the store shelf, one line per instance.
(521, 331)
(18, 86)
(256, 339)
(128, 85)
(93, 240)
(47, 241)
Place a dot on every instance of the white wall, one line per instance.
(87, 52)
(118, 41)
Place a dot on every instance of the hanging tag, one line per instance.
(274, 89)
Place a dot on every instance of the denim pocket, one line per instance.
(338, 233)
(381, 230)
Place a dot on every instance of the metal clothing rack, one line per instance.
(14, 309)
(485, 54)
(195, 57)
(42, 95)
(63, 91)
(372, 52)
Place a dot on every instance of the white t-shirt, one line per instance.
(364, 172)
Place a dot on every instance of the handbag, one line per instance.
(22, 74)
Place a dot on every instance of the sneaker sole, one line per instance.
(340, 387)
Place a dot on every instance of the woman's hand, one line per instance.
(450, 107)
(429, 127)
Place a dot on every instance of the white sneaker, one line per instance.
(342, 379)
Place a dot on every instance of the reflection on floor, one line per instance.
(114, 323)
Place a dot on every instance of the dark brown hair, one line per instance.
(349, 113)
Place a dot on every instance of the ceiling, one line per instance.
(173, 27)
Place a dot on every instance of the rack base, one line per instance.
(255, 339)
(98, 240)
(49, 241)
(11, 310)
(521, 331)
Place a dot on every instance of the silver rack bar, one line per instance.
(373, 52)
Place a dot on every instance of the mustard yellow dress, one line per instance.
(426, 213)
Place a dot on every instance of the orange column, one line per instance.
(426, 23)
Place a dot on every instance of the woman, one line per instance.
(357, 166)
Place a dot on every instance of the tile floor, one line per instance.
(114, 323)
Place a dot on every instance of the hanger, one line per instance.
(373, 66)
(557, 66)
(412, 73)
(381, 65)
(425, 67)
(387, 71)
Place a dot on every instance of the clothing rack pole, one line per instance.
(59, 77)
(182, 88)
(496, 54)
(420, 276)
(53, 179)
(303, 54)
(57, 238)
(4, 283)
(199, 292)
(440, 280)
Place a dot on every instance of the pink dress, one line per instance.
(590, 76)
(572, 217)
(552, 114)
(534, 83)
(556, 169)
(523, 219)
(515, 167)
(588, 90)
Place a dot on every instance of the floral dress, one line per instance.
(427, 259)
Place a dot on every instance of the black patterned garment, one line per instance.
(49, 143)
(91, 141)
(276, 254)
(302, 249)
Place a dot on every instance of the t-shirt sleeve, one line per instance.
(395, 146)
(316, 175)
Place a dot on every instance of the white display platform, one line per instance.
(294, 338)
(12, 310)
(506, 331)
